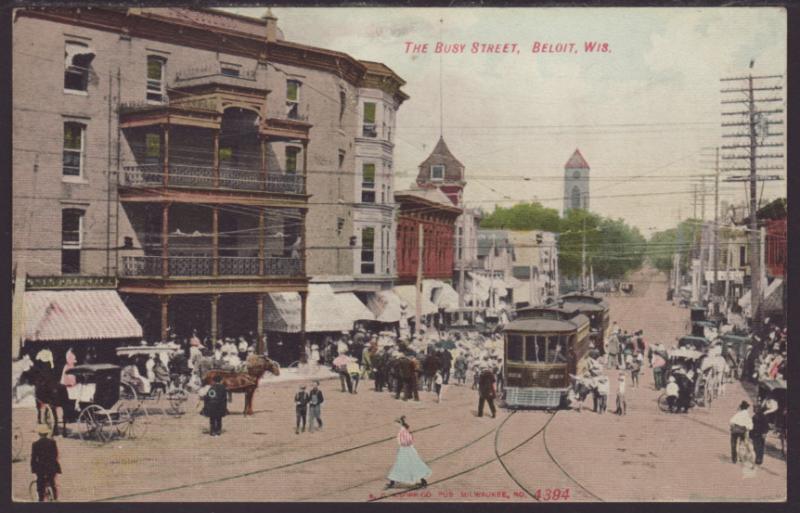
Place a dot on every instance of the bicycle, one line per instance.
(49, 493)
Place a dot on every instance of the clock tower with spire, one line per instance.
(576, 183)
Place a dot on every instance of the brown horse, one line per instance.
(245, 382)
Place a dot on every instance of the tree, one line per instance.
(683, 239)
(523, 216)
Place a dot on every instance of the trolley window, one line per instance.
(535, 349)
(515, 348)
(556, 349)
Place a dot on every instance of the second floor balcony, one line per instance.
(209, 266)
(206, 177)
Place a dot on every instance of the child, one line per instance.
(437, 385)
(636, 366)
(621, 404)
(602, 392)
(301, 408)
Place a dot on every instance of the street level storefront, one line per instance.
(90, 322)
(325, 313)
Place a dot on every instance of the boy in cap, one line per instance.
(301, 408)
(44, 463)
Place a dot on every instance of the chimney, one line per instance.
(271, 24)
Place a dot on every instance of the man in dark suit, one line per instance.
(486, 390)
(301, 408)
(44, 463)
(447, 364)
(216, 405)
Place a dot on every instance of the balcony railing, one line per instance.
(202, 177)
(203, 266)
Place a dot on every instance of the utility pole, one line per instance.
(418, 313)
(703, 236)
(694, 201)
(757, 134)
(491, 274)
(461, 252)
(583, 258)
(715, 244)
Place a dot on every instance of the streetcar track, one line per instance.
(476, 467)
(255, 472)
(562, 469)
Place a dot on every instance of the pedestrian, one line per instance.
(636, 366)
(438, 381)
(672, 393)
(659, 363)
(447, 364)
(215, 405)
(301, 408)
(354, 370)
(759, 432)
(44, 463)
(612, 350)
(486, 390)
(340, 366)
(740, 424)
(603, 389)
(408, 466)
(315, 400)
(622, 406)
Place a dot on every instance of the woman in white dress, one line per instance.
(408, 466)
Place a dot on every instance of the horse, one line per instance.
(582, 387)
(49, 393)
(245, 381)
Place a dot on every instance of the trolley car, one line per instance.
(543, 346)
(596, 309)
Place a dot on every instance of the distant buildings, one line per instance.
(576, 183)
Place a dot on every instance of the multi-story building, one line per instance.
(176, 150)
(576, 183)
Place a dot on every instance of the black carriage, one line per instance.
(735, 349)
(101, 413)
(774, 390)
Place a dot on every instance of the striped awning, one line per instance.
(386, 306)
(52, 315)
(323, 312)
(408, 293)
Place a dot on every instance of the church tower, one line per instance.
(576, 183)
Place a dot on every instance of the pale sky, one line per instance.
(647, 108)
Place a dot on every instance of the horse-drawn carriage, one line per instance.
(169, 381)
(735, 349)
(683, 364)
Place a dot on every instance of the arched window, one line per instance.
(575, 200)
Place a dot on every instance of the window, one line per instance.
(156, 90)
(341, 159)
(152, 146)
(437, 172)
(230, 71)
(742, 256)
(575, 197)
(368, 250)
(291, 159)
(576, 175)
(368, 183)
(556, 349)
(74, 143)
(369, 120)
(515, 348)
(532, 348)
(342, 105)
(78, 58)
(71, 239)
(293, 99)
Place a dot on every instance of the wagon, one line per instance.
(100, 414)
(173, 388)
(735, 348)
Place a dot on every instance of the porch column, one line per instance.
(305, 166)
(264, 164)
(215, 241)
(303, 317)
(216, 160)
(165, 240)
(214, 319)
(261, 226)
(164, 317)
(165, 171)
(260, 323)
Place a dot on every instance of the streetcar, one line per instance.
(596, 309)
(544, 345)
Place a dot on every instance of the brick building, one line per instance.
(174, 152)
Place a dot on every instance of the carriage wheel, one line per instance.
(33, 491)
(94, 423)
(129, 425)
(17, 444)
(177, 398)
(663, 405)
(129, 397)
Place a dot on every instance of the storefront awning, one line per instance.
(408, 294)
(441, 294)
(386, 306)
(353, 308)
(322, 311)
(52, 315)
(773, 295)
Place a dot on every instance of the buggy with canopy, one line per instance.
(170, 376)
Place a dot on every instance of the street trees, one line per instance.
(682, 240)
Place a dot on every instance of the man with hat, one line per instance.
(301, 408)
(215, 405)
(44, 463)
(740, 424)
(486, 390)
(315, 400)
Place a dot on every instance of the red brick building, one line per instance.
(432, 209)
(775, 250)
